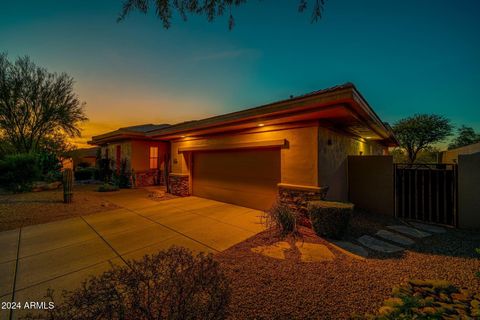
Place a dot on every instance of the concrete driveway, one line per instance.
(61, 254)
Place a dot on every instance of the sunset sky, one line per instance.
(405, 57)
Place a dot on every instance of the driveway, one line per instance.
(61, 254)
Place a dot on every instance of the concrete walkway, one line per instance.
(61, 254)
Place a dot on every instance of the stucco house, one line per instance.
(451, 156)
(289, 149)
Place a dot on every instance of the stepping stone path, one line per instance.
(409, 231)
(394, 237)
(428, 227)
(378, 245)
(353, 250)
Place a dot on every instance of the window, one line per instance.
(153, 157)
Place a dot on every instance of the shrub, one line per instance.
(429, 299)
(19, 171)
(86, 173)
(50, 166)
(330, 219)
(173, 284)
(107, 188)
(283, 218)
(104, 169)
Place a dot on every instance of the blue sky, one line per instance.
(405, 57)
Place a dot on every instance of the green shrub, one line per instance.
(19, 171)
(50, 166)
(86, 173)
(428, 299)
(173, 284)
(330, 219)
(283, 218)
(107, 188)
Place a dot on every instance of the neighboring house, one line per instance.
(451, 156)
(86, 157)
(288, 149)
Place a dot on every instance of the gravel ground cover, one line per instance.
(268, 288)
(17, 210)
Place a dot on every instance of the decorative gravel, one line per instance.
(267, 288)
(17, 210)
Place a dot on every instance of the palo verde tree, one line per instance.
(465, 136)
(164, 9)
(421, 131)
(36, 106)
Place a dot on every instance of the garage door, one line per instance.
(246, 178)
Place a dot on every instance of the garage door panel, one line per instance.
(244, 177)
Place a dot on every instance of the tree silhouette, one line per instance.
(36, 106)
(419, 132)
(466, 135)
(164, 9)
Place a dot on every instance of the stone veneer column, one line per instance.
(179, 184)
(297, 197)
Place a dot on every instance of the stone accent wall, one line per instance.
(179, 185)
(148, 178)
(297, 199)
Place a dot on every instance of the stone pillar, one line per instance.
(179, 184)
(297, 198)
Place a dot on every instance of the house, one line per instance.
(288, 149)
(451, 156)
(85, 157)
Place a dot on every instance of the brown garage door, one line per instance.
(243, 177)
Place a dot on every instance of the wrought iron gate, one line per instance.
(426, 192)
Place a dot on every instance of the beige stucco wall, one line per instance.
(125, 148)
(468, 191)
(298, 159)
(332, 159)
(370, 183)
(451, 156)
(137, 153)
(141, 154)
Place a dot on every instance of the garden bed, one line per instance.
(17, 210)
(267, 288)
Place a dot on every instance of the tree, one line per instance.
(36, 106)
(421, 131)
(466, 135)
(164, 9)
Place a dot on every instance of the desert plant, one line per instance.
(50, 166)
(105, 171)
(19, 171)
(106, 187)
(67, 182)
(428, 299)
(173, 284)
(330, 219)
(282, 217)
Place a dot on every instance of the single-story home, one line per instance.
(85, 157)
(451, 156)
(287, 150)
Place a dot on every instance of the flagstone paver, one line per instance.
(428, 227)
(409, 231)
(395, 237)
(378, 245)
(314, 252)
(276, 250)
(351, 249)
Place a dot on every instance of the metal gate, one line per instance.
(426, 192)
